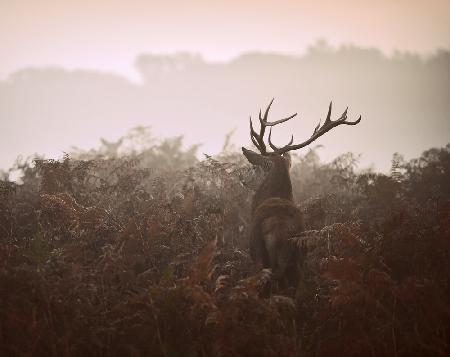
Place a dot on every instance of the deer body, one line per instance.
(274, 222)
(274, 216)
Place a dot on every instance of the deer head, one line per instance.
(275, 218)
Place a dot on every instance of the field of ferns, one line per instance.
(122, 251)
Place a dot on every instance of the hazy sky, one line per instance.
(37, 106)
(107, 35)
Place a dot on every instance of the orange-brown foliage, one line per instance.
(106, 257)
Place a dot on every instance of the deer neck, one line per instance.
(276, 184)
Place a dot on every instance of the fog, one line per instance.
(403, 100)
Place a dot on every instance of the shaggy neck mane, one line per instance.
(276, 184)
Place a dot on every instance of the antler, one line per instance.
(318, 131)
(258, 140)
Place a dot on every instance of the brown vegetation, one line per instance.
(107, 257)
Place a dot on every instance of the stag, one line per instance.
(275, 219)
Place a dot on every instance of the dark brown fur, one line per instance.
(275, 218)
(274, 222)
(277, 183)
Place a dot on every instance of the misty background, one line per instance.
(73, 72)
(403, 99)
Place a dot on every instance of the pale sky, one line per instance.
(107, 35)
(37, 107)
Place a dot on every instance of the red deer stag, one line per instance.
(274, 217)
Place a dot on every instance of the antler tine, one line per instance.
(255, 143)
(266, 113)
(353, 122)
(258, 139)
(342, 119)
(274, 148)
(328, 119)
(318, 131)
(281, 120)
(263, 120)
(272, 145)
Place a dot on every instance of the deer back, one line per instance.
(274, 222)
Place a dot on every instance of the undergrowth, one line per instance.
(138, 255)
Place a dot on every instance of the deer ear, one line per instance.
(255, 158)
